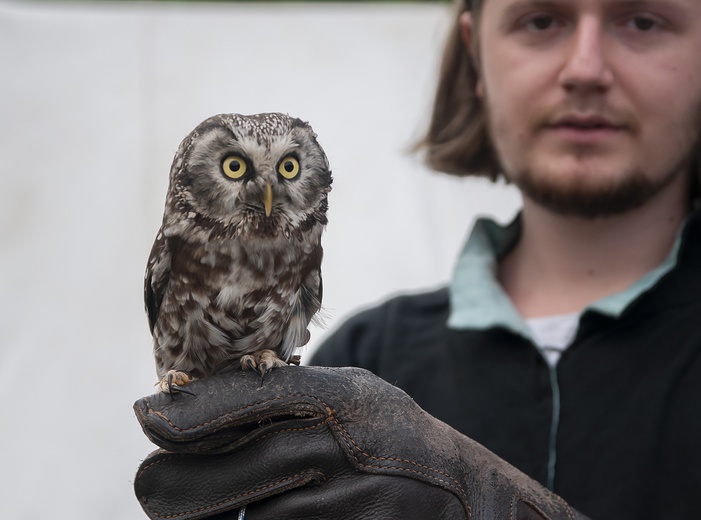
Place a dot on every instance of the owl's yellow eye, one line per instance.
(234, 166)
(288, 167)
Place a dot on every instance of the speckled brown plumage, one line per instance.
(235, 268)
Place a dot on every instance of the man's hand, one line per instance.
(311, 442)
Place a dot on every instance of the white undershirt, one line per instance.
(553, 334)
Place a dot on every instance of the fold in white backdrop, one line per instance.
(94, 99)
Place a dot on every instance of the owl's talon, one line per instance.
(261, 362)
(173, 383)
(180, 390)
(251, 364)
(263, 370)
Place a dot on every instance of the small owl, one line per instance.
(234, 275)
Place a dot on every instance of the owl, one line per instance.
(234, 275)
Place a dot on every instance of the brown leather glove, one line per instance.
(311, 442)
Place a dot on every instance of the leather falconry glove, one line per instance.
(312, 443)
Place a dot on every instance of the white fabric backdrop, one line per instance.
(94, 99)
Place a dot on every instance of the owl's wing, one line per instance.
(311, 295)
(157, 277)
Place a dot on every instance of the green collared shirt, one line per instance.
(479, 302)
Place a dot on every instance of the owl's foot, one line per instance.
(174, 381)
(262, 362)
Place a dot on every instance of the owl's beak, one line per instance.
(268, 199)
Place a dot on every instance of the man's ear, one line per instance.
(467, 34)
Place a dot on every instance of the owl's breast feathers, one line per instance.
(211, 300)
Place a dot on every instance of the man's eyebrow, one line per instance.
(515, 6)
(674, 4)
(633, 3)
(676, 8)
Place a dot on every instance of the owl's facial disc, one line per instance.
(258, 176)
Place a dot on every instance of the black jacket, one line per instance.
(619, 419)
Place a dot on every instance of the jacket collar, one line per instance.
(477, 300)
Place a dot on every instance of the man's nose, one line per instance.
(586, 66)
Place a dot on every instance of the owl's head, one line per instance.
(263, 174)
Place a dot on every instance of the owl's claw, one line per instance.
(249, 363)
(252, 366)
(264, 368)
(175, 389)
(261, 362)
(173, 383)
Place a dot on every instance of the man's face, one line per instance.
(594, 106)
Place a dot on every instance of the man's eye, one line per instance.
(540, 22)
(642, 23)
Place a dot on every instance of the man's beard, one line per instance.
(591, 202)
(592, 199)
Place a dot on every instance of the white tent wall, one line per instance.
(94, 99)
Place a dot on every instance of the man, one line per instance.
(593, 110)
(567, 342)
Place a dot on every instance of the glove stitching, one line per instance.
(143, 469)
(230, 499)
(453, 484)
(163, 416)
(521, 498)
(298, 429)
(518, 498)
(570, 514)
